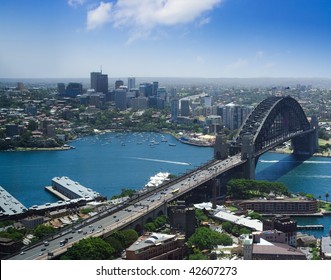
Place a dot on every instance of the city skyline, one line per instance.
(157, 38)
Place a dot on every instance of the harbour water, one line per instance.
(105, 163)
(309, 175)
(109, 162)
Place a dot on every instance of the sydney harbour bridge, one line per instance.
(274, 121)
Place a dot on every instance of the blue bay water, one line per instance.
(309, 175)
(105, 163)
(112, 161)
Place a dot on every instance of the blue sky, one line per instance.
(165, 38)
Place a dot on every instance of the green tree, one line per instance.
(42, 231)
(255, 215)
(244, 189)
(160, 221)
(92, 248)
(326, 197)
(205, 238)
(150, 226)
(124, 192)
(125, 237)
(235, 230)
(12, 233)
(244, 230)
(200, 215)
(310, 196)
(227, 226)
(197, 255)
(115, 243)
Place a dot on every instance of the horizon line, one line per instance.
(169, 77)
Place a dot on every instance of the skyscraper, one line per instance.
(118, 84)
(174, 109)
(74, 89)
(99, 82)
(94, 79)
(120, 99)
(131, 83)
(185, 108)
(155, 87)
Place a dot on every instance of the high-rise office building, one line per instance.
(94, 79)
(61, 88)
(131, 83)
(155, 87)
(99, 82)
(174, 109)
(161, 93)
(120, 99)
(146, 89)
(74, 89)
(185, 108)
(118, 84)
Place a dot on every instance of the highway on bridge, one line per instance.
(119, 216)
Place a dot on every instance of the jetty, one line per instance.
(318, 227)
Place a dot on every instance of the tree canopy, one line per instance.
(43, 231)
(206, 238)
(245, 189)
(92, 248)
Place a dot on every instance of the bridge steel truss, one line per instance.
(272, 122)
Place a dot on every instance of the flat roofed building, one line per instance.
(9, 205)
(32, 221)
(72, 189)
(326, 247)
(265, 250)
(276, 251)
(280, 206)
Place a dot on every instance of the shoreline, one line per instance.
(20, 149)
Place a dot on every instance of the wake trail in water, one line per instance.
(164, 161)
(316, 176)
(307, 161)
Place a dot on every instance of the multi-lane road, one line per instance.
(113, 219)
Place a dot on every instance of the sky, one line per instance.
(165, 38)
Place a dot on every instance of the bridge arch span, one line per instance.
(272, 122)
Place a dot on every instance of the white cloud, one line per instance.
(99, 16)
(204, 21)
(239, 63)
(75, 3)
(141, 16)
(148, 13)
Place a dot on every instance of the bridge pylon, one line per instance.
(248, 154)
(221, 149)
(307, 144)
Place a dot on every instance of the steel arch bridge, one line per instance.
(274, 121)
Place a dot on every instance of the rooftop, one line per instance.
(75, 187)
(9, 205)
(149, 240)
(266, 247)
